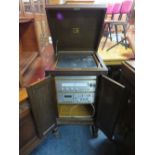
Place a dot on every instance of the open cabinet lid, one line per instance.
(76, 27)
(108, 104)
(43, 104)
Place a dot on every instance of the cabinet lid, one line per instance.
(75, 27)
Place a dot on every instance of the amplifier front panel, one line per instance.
(76, 90)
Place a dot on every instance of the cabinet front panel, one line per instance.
(43, 102)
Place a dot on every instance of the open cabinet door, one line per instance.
(43, 104)
(109, 99)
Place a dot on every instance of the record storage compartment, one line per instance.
(76, 110)
(82, 114)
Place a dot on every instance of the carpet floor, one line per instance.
(76, 140)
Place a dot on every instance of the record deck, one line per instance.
(76, 61)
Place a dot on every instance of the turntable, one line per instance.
(76, 32)
(76, 61)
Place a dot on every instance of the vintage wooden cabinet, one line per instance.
(108, 101)
(111, 98)
(81, 40)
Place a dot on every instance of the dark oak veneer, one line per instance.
(109, 99)
(42, 97)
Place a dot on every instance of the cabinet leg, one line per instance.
(94, 131)
(56, 133)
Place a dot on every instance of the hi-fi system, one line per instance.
(76, 89)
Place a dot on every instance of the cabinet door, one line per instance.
(43, 103)
(109, 99)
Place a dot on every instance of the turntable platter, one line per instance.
(76, 61)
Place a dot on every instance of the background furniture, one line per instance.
(36, 9)
(28, 44)
(113, 10)
(124, 10)
(34, 33)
